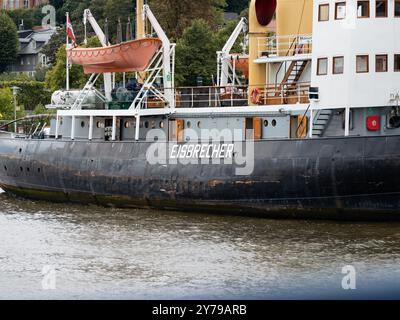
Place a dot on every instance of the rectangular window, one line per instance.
(338, 65)
(381, 63)
(362, 64)
(363, 9)
(340, 10)
(323, 13)
(397, 62)
(322, 67)
(397, 8)
(381, 9)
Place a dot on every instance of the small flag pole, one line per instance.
(67, 74)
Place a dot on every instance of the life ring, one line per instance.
(255, 96)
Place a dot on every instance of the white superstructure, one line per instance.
(356, 53)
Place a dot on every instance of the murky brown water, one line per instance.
(101, 253)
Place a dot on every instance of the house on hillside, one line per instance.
(30, 55)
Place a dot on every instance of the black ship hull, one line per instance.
(354, 178)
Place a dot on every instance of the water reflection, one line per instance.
(106, 253)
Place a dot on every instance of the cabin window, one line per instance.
(338, 65)
(266, 123)
(340, 10)
(323, 13)
(322, 66)
(199, 124)
(397, 8)
(363, 9)
(127, 124)
(381, 63)
(381, 10)
(362, 64)
(397, 62)
(161, 124)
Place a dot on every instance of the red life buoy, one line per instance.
(255, 96)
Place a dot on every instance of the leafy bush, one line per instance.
(32, 93)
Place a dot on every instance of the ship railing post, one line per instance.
(192, 97)
(347, 122)
(57, 125)
(137, 128)
(91, 128)
(114, 128)
(73, 128)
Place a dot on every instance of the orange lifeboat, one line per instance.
(241, 63)
(130, 56)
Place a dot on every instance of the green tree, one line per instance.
(31, 17)
(9, 42)
(175, 16)
(237, 5)
(6, 104)
(196, 54)
(56, 77)
(51, 48)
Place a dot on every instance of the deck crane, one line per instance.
(88, 17)
(224, 67)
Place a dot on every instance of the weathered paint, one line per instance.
(320, 178)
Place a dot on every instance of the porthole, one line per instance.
(82, 124)
(38, 170)
(21, 169)
(5, 168)
(27, 169)
(199, 124)
(146, 124)
(266, 123)
(127, 124)
(274, 123)
(162, 124)
(100, 124)
(20, 150)
(189, 124)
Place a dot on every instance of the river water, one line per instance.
(101, 253)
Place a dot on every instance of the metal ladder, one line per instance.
(84, 92)
(156, 67)
(321, 120)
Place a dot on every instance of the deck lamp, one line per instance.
(15, 93)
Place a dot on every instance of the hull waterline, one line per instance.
(335, 178)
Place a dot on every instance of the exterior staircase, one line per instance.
(292, 77)
(321, 121)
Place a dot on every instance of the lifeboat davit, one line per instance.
(130, 56)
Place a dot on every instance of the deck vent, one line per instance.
(314, 94)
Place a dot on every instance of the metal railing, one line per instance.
(281, 46)
(287, 94)
(234, 96)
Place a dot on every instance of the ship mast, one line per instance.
(140, 30)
